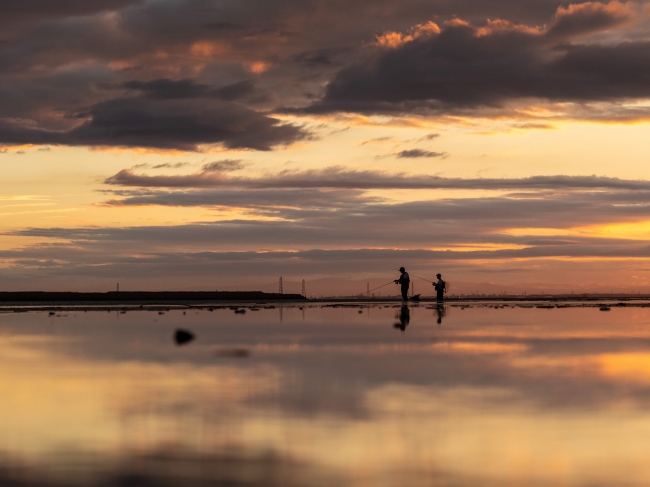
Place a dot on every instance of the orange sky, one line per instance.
(503, 145)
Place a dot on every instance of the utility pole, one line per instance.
(118, 287)
(367, 290)
(413, 289)
(304, 292)
(281, 286)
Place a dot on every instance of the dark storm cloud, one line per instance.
(22, 10)
(241, 468)
(45, 100)
(166, 124)
(581, 19)
(462, 66)
(74, 55)
(167, 89)
(416, 153)
(319, 57)
(337, 177)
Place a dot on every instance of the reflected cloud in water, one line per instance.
(327, 396)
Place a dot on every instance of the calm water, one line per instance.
(326, 396)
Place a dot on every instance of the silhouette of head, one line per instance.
(401, 269)
(438, 276)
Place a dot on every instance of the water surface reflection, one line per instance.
(326, 396)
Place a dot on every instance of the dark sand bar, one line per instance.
(144, 297)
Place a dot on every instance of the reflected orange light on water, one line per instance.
(487, 397)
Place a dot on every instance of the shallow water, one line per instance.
(343, 396)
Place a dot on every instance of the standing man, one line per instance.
(440, 288)
(405, 281)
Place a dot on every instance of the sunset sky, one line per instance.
(216, 144)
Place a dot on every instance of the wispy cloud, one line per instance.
(338, 177)
(418, 153)
(227, 165)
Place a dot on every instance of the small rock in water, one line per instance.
(604, 308)
(360, 311)
(240, 311)
(182, 337)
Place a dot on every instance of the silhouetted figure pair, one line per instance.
(405, 282)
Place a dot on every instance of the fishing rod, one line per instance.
(422, 278)
(391, 282)
(383, 285)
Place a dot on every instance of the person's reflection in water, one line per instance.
(404, 318)
(441, 312)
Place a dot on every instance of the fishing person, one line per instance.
(440, 288)
(405, 282)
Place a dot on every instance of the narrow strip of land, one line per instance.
(237, 300)
(145, 297)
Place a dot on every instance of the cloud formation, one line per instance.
(458, 66)
(338, 177)
(167, 89)
(226, 165)
(417, 153)
(189, 73)
(165, 124)
(211, 74)
(307, 232)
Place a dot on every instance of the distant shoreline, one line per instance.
(498, 298)
(115, 297)
(166, 300)
(7, 297)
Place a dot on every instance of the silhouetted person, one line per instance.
(404, 281)
(440, 311)
(404, 318)
(440, 288)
